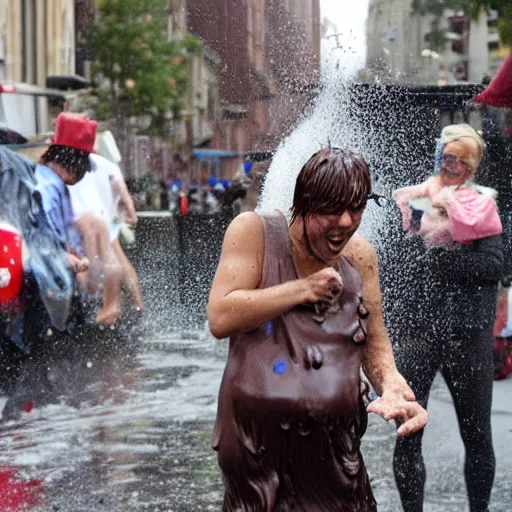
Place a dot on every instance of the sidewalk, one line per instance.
(444, 455)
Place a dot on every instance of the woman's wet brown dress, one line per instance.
(290, 414)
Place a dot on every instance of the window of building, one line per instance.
(458, 46)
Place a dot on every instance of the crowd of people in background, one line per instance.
(204, 195)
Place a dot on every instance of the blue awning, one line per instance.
(212, 154)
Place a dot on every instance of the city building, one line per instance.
(10, 41)
(395, 39)
(37, 40)
(498, 52)
(404, 47)
(171, 154)
(270, 53)
(258, 65)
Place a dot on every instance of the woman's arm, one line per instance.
(236, 304)
(396, 399)
(119, 186)
(378, 359)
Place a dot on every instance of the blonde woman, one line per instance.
(449, 207)
(451, 329)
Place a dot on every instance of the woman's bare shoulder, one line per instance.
(245, 225)
(359, 251)
(244, 236)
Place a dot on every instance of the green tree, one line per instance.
(505, 21)
(138, 71)
(472, 7)
(436, 38)
(504, 7)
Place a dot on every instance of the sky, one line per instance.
(348, 15)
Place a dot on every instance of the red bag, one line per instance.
(502, 335)
(11, 265)
(502, 358)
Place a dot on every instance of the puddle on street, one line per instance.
(128, 429)
(136, 436)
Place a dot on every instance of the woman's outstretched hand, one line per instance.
(400, 406)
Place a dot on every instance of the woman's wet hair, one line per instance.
(332, 181)
(75, 161)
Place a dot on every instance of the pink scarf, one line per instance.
(467, 215)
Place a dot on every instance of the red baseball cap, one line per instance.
(75, 132)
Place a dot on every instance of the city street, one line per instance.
(162, 158)
(128, 429)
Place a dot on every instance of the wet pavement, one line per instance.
(128, 429)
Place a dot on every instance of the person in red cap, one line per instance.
(65, 162)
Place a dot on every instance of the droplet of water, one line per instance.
(304, 429)
(285, 423)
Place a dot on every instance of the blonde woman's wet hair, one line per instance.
(455, 132)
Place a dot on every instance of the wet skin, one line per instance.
(323, 237)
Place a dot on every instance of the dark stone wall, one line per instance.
(176, 257)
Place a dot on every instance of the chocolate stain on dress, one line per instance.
(290, 415)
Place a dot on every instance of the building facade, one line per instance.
(395, 38)
(270, 53)
(199, 118)
(248, 84)
(37, 40)
(401, 49)
(10, 41)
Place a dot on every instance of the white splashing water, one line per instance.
(394, 135)
(322, 124)
(329, 120)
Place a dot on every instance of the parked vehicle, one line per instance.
(29, 109)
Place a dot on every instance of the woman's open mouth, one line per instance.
(451, 172)
(335, 243)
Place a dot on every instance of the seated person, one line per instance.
(65, 162)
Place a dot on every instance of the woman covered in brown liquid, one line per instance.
(301, 305)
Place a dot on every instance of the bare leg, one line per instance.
(87, 226)
(130, 275)
(113, 271)
(103, 262)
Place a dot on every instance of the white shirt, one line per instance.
(94, 193)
